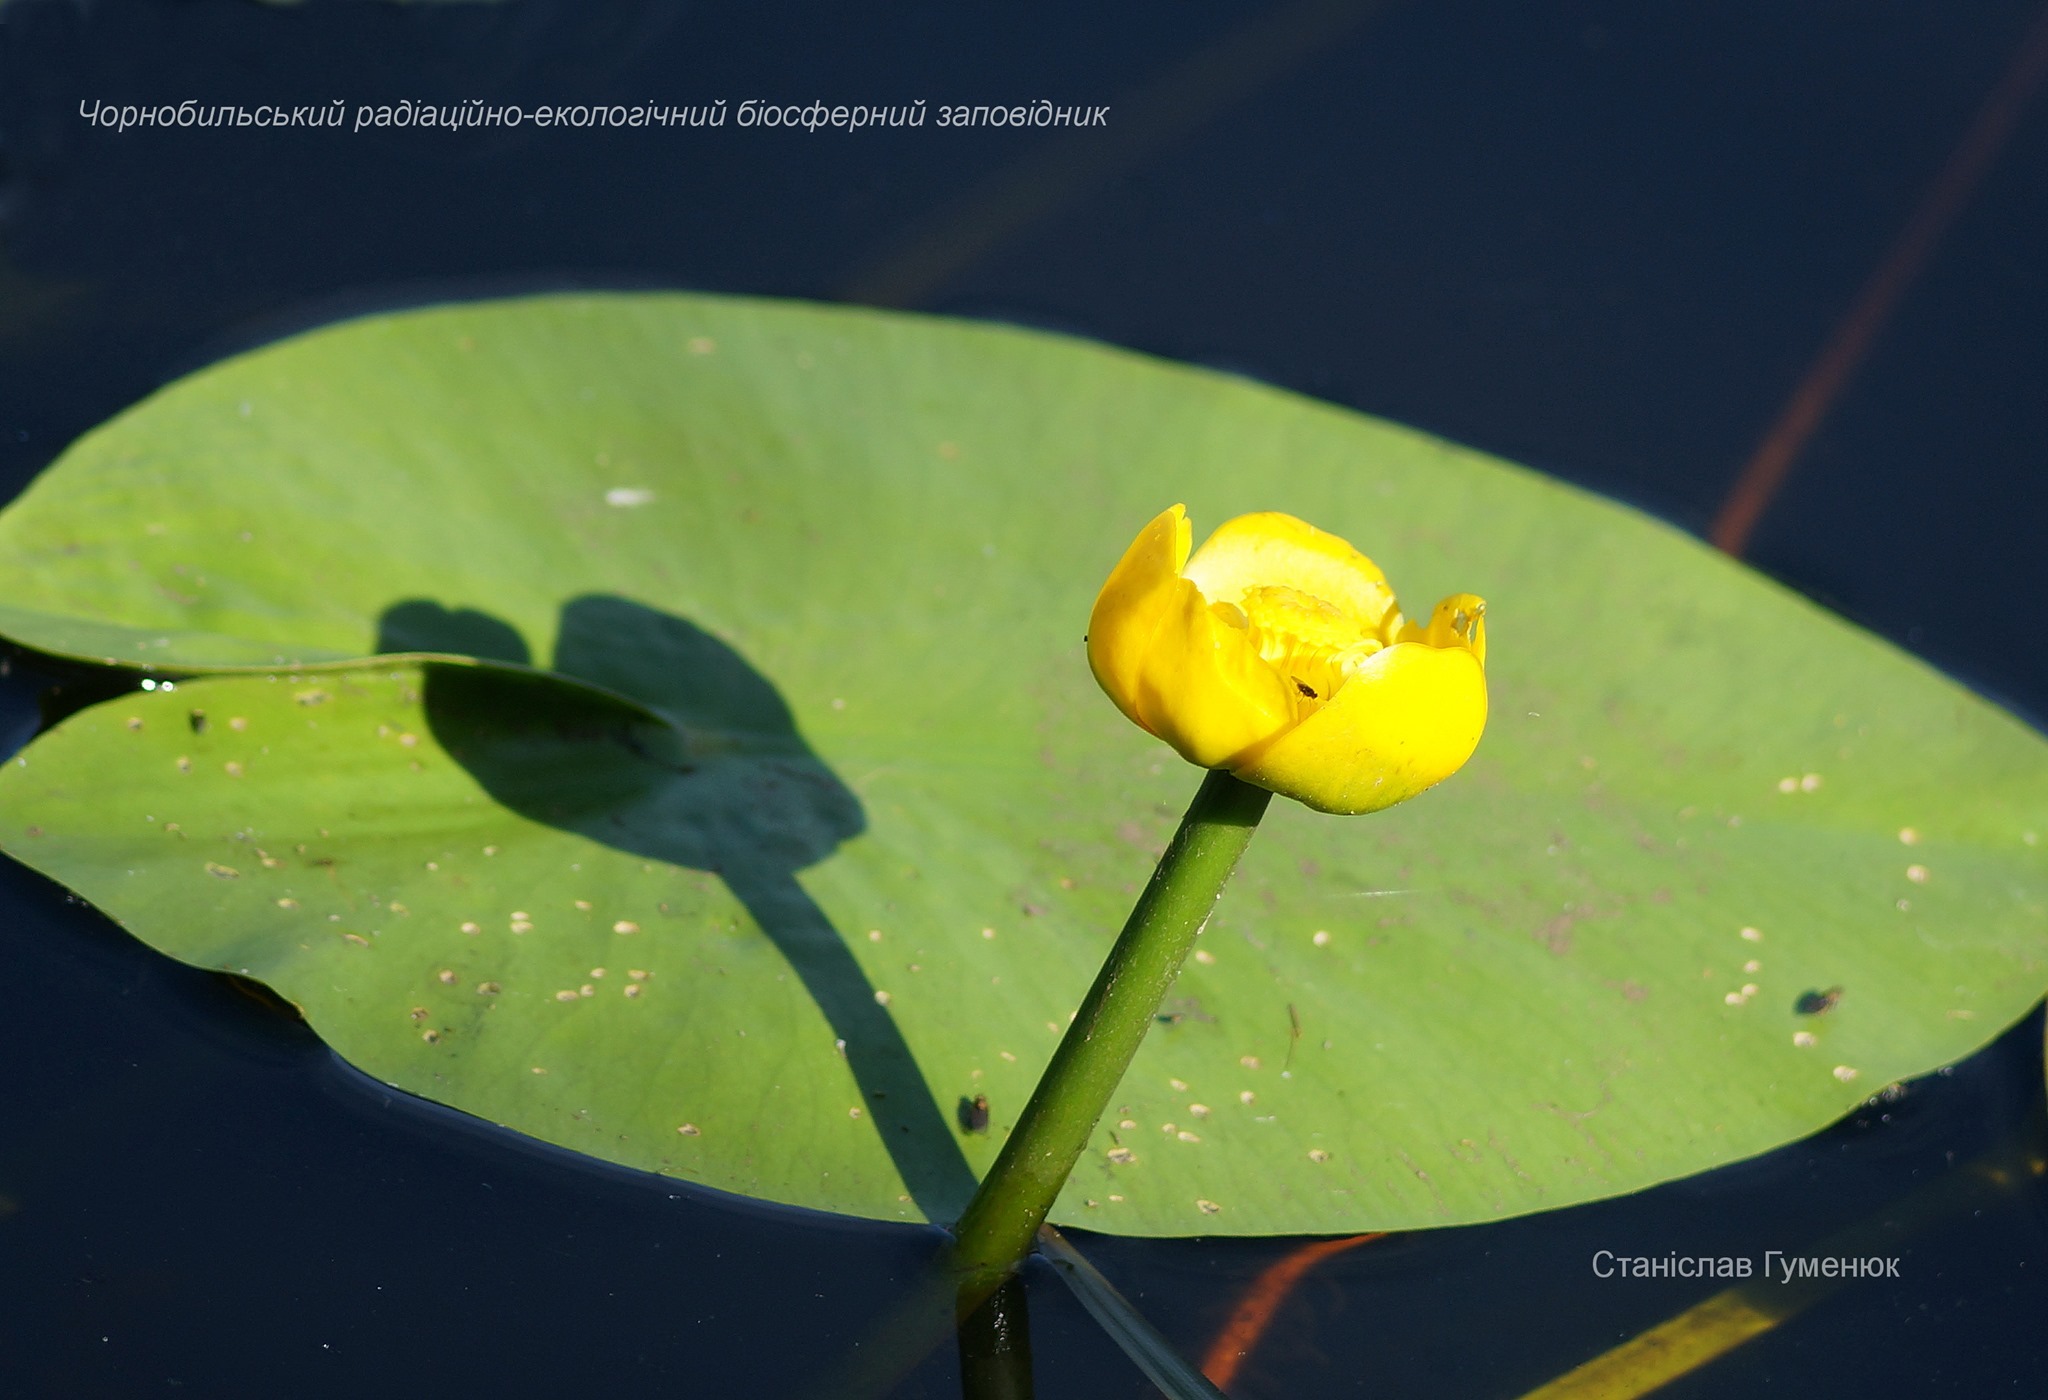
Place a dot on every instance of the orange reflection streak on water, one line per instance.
(1767, 468)
(1262, 1300)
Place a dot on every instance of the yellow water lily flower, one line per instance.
(1278, 653)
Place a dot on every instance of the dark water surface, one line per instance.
(1601, 238)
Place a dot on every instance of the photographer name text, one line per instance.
(1785, 1268)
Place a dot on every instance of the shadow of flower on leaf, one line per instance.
(711, 775)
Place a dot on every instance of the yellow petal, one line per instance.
(1458, 621)
(1407, 719)
(1170, 664)
(1145, 586)
(1271, 549)
(1203, 688)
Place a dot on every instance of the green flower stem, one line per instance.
(1002, 1220)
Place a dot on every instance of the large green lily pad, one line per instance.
(823, 759)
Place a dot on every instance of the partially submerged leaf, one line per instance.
(820, 575)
